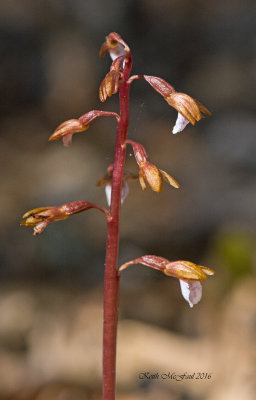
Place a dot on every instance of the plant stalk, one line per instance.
(111, 279)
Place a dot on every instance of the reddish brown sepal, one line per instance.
(160, 85)
(188, 107)
(110, 85)
(140, 153)
(112, 80)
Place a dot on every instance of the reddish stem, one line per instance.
(111, 280)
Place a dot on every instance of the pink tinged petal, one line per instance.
(191, 291)
(108, 193)
(67, 140)
(180, 124)
(124, 191)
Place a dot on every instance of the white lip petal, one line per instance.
(108, 193)
(117, 51)
(191, 291)
(67, 140)
(180, 124)
(124, 191)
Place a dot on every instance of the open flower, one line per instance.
(187, 272)
(107, 181)
(67, 129)
(189, 109)
(39, 218)
(149, 172)
(115, 46)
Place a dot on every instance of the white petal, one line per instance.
(191, 291)
(108, 193)
(117, 51)
(124, 191)
(180, 124)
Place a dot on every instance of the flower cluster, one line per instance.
(189, 111)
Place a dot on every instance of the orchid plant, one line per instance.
(115, 180)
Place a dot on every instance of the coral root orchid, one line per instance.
(149, 172)
(118, 80)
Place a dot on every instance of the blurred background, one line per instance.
(51, 286)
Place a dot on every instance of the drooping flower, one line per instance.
(189, 109)
(149, 172)
(188, 273)
(39, 218)
(67, 129)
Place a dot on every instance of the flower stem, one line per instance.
(111, 280)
